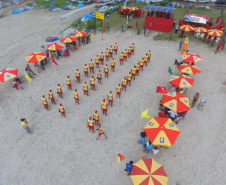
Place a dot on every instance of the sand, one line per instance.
(62, 151)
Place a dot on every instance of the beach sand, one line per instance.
(62, 151)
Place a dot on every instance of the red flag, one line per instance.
(120, 157)
(53, 60)
(161, 89)
(218, 19)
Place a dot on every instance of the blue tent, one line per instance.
(51, 6)
(80, 5)
(86, 17)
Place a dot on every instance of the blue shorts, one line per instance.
(27, 128)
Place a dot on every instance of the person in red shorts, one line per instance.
(161, 114)
(138, 68)
(129, 52)
(85, 89)
(110, 98)
(77, 75)
(113, 64)
(106, 70)
(91, 66)
(102, 58)
(86, 70)
(90, 124)
(124, 83)
(132, 48)
(106, 54)
(45, 103)
(116, 48)
(51, 96)
(97, 62)
(104, 107)
(76, 97)
(134, 70)
(99, 76)
(141, 64)
(121, 58)
(92, 83)
(101, 131)
(129, 77)
(59, 91)
(61, 110)
(96, 117)
(68, 82)
(118, 90)
(111, 51)
(125, 55)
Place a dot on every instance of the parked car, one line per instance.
(220, 2)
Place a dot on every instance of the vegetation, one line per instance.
(57, 3)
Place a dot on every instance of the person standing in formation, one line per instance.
(101, 131)
(76, 97)
(149, 55)
(129, 52)
(121, 58)
(61, 110)
(116, 48)
(102, 58)
(106, 54)
(68, 82)
(145, 60)
(134, 70)
(141, 64)
(96, 117)
(86, 70)
(90, 124)
(24, 124)
(110, 98)
(111, 51)
(138, 68)
(104, 107)
(129, 77)
(124, 83)
(125, 55)
(106, 70)
(77, 75)
(132, 48)
(99, 76)
(92, 83)
(91, 66)
(118, 90)
(113, 64)
(97, 62)
(51, 96)
(45, 103)
(85, 89)
(59, 91)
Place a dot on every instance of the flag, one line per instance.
(170, 70)
(161, 89)
(53, 60)
(145, 114)
(120, 157)
(28, 78)
(92, 35)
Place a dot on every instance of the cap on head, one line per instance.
(99, 124)
(91, 59)
(106, 64)
(116, 43)
(107, 49)
(92, 76)
(97, 55)
(118, 84)
(99, 70)
(61, 104)
(68, 76)
(124, 77)
(75, 90)
(58, 84)
(103, 99)
(113, 58)
(22, 119)
(125, 49)
(130, 72)
(110, 91)
(50, 90)
(90, 117)
(142, 57)
(130, 46)
(138, 62)
(43, 96)
(133, 43)
(85, 64)
(111, 46)
(134, 65)
(146, 53)
(149, 50)
(76, 69)
(122, 52)
(85, 82)
(101, 52)
(96, 111)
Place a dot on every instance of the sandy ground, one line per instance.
(62, 151)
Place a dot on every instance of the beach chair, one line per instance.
(197, 35)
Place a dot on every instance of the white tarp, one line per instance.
(191, 18)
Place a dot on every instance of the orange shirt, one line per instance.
(121, 56)
(145, 58)
(77, 73)
(90, 122)
(50, 94)
(141, 62)
(106, 52)
(129, 50)
(92, 80)
(124, 81)
(97, 60)
(125, 53)
(110, 49)
(99, 75)
(149, 54)
(95, 116)
(138, 67)
(106, 68)
(134, 70)
(90, 64)
(44, 101)
(59, 89)
(61, 108)
(68, 80)
(85, 87)
(112, 62)
(118, 89)
(115, 46)
(101, 130)
(132, 46)
(129, 76)
(85, 68)
(76, 94)
(110, 96)
(104, 105)
(101, 55)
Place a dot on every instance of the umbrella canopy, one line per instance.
(35, 57)
(68, 39)
(148, 172)
(125, 7)
(200, 29)
(55, 46)
(189, 69)
(215, 32)
(161, 131)
(79, 34)
(176, 102)
(181, 81)
(8, 74)
(192, 58)
(134, 8)
(187, 28)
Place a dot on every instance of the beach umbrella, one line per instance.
(134, 8)
(188, 69)
(148, 172)
(125, 7)
(192, 58)
(186, 28)
(79, 34)
(8, 74)
(215, 32)
(161, 131)
(55, 46)
(200, 29)
(68, 39)
(181, 81)
(35, 57)
(176, 102)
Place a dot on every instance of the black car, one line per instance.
(220, 2)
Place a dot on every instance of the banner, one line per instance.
(191, 18)
(28, 78)
(161, 89)
(120, 158)
(185, 46)
(145, 114)
(170, 70)
(100, 15)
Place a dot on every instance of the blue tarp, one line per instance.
(86, 17)
(51, 39)
(51, 6)
(64, 7)
(19, 11)
(80, 5)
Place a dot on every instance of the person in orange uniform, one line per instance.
(116, 48)
(104, 107)
(134, 70)
(97, 62)
(68, 82)
(101, 131)
(90, 124)
(61, 110)
(125, 55)
(113, 64)
(99, 76)
(86, 70)
(149, 55)
(121, 58)
(138, 68)
(118, 90)
(102, 58)
(141, 64)
(111, 51)
(85, 89)
(51, 96)
(107, 54)
(124, 84)
(45, 103)
(76, 97)
(129, 52)
(106, 70)
(96, 117)
(92, 82)
(132, 48)
(110, 98)
(59, 91)
(145, 60)
(77, 75)
(91, 66)
(129, 77)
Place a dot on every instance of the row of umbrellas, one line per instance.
(129, 8)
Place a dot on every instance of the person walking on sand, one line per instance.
(121, 58)
(97, 62)
(51, 96)
(59, 91)
(76, 97)
(138, 68)
(86, 70)
(90, 124)
(77, 75)
(124, 83)
(29, 69)
(24, 124)
(180, 46)
(104, 107)
(101, 131)
(129, 168)
(118, 90)
(106, 54)
(92, 83)
(45, 103)
(116, 48)
(195, 99)
(110, 98)
(96, 117)
(129, 77)
(99, 76)
(132, 48)
(106, 70)
(134, 70)
(85, 89)
(125, 55)
(61, 110)
(102, 58)
(113, 64)
(111, 51)
(91, 66)
(68, 82)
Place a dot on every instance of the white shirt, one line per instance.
(177, 26)
(155, 152)
(172, 114)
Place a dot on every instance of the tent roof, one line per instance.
(160, 8)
